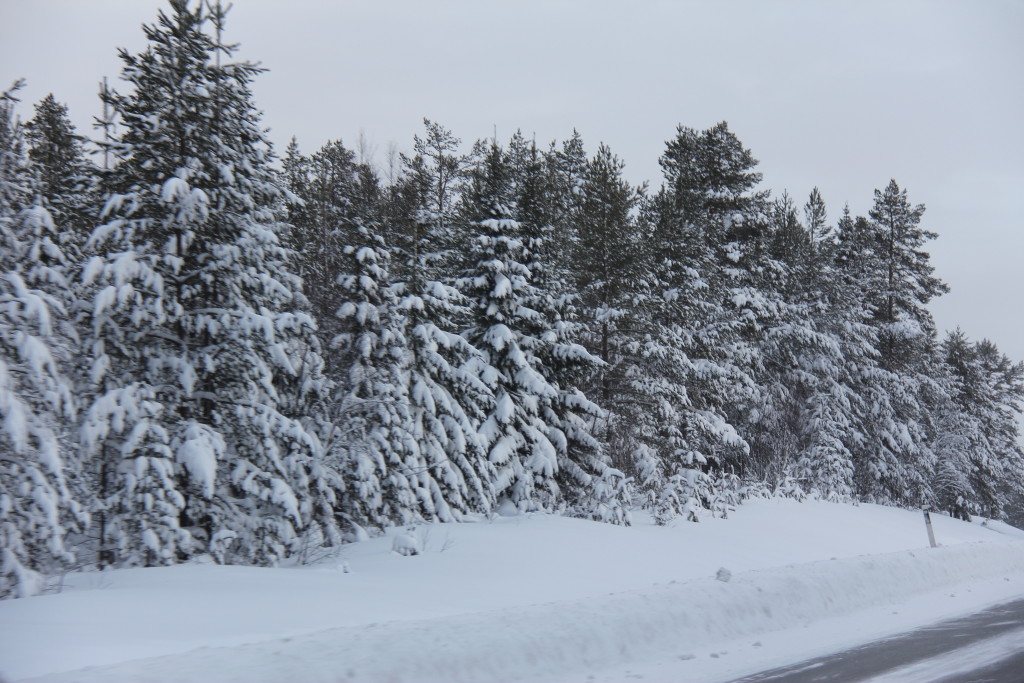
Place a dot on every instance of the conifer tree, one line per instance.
(979, 458)
(334, 206)
(295, 181)
(705, 224)
(65, 177)
(503, 329)
(900, 469)
(610, 266)
(1003, 382)
(196, 323)
(381, 462)
(447, 399)
(431, 179)
(525, 431)
(812, 360)
(39, 501)
(549, 230)
(905, 326)
(960, 443)
(815, 218)
(561, 181)
(892, 458)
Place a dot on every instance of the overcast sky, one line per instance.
(842, 95)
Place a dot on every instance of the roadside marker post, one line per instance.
(931, 532)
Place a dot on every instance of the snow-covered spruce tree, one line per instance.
(549, 231)
(548, 196)
(773, 424)
(526, 450)
(324, 206)
(979, 460)
(960, 444)
(827, 347)
(767, 332)
(1000, 417)
(381, 464)
(534, 194)
(193, 321)
(66, 179)
(837, 403)
(16, 190)
(338, 197)
(37, 502)
(447, 399)
(760, 331)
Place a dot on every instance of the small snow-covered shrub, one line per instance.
(407, 543)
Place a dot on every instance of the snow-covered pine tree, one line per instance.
(893, 462)
(309, 394)
(193, 321)
(556, 195)
(521, 446)
(906, 328)
(549, 232)
(1003, 385)
(335, 204)
(755, 322)
(700, 366)
(773, 425)
(896, 463)
(64, 175)
(609, 268)
(569, 164)
(428, 195)
(813, 358)
(819, 234)
(873, 433)
(546, 220)
(767, 330)
(38, 506)
(447, 399)
(960, 444)
(979, 458)
(295, 182)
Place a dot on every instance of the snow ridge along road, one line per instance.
(543, 641)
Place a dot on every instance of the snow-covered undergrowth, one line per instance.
(519, 597)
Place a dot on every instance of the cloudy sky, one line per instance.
(842, 95)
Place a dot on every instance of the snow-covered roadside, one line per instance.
(729, 659)
(526, 597)
(571, 637)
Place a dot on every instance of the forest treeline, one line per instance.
(207, 350)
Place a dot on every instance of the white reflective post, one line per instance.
(928, 525)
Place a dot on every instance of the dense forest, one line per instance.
(210, 350)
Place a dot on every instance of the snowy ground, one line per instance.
(527, 597)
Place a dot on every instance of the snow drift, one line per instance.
(593, 632)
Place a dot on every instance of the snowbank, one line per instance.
(520, 596)
(543, 640)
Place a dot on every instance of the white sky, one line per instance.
(842, 95)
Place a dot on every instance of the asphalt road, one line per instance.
(878, 659)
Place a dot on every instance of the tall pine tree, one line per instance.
(38, 505)
(196, 322)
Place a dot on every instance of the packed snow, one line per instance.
(526, 597)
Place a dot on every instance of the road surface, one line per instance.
(984, 647)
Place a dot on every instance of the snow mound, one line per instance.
(567, 636)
